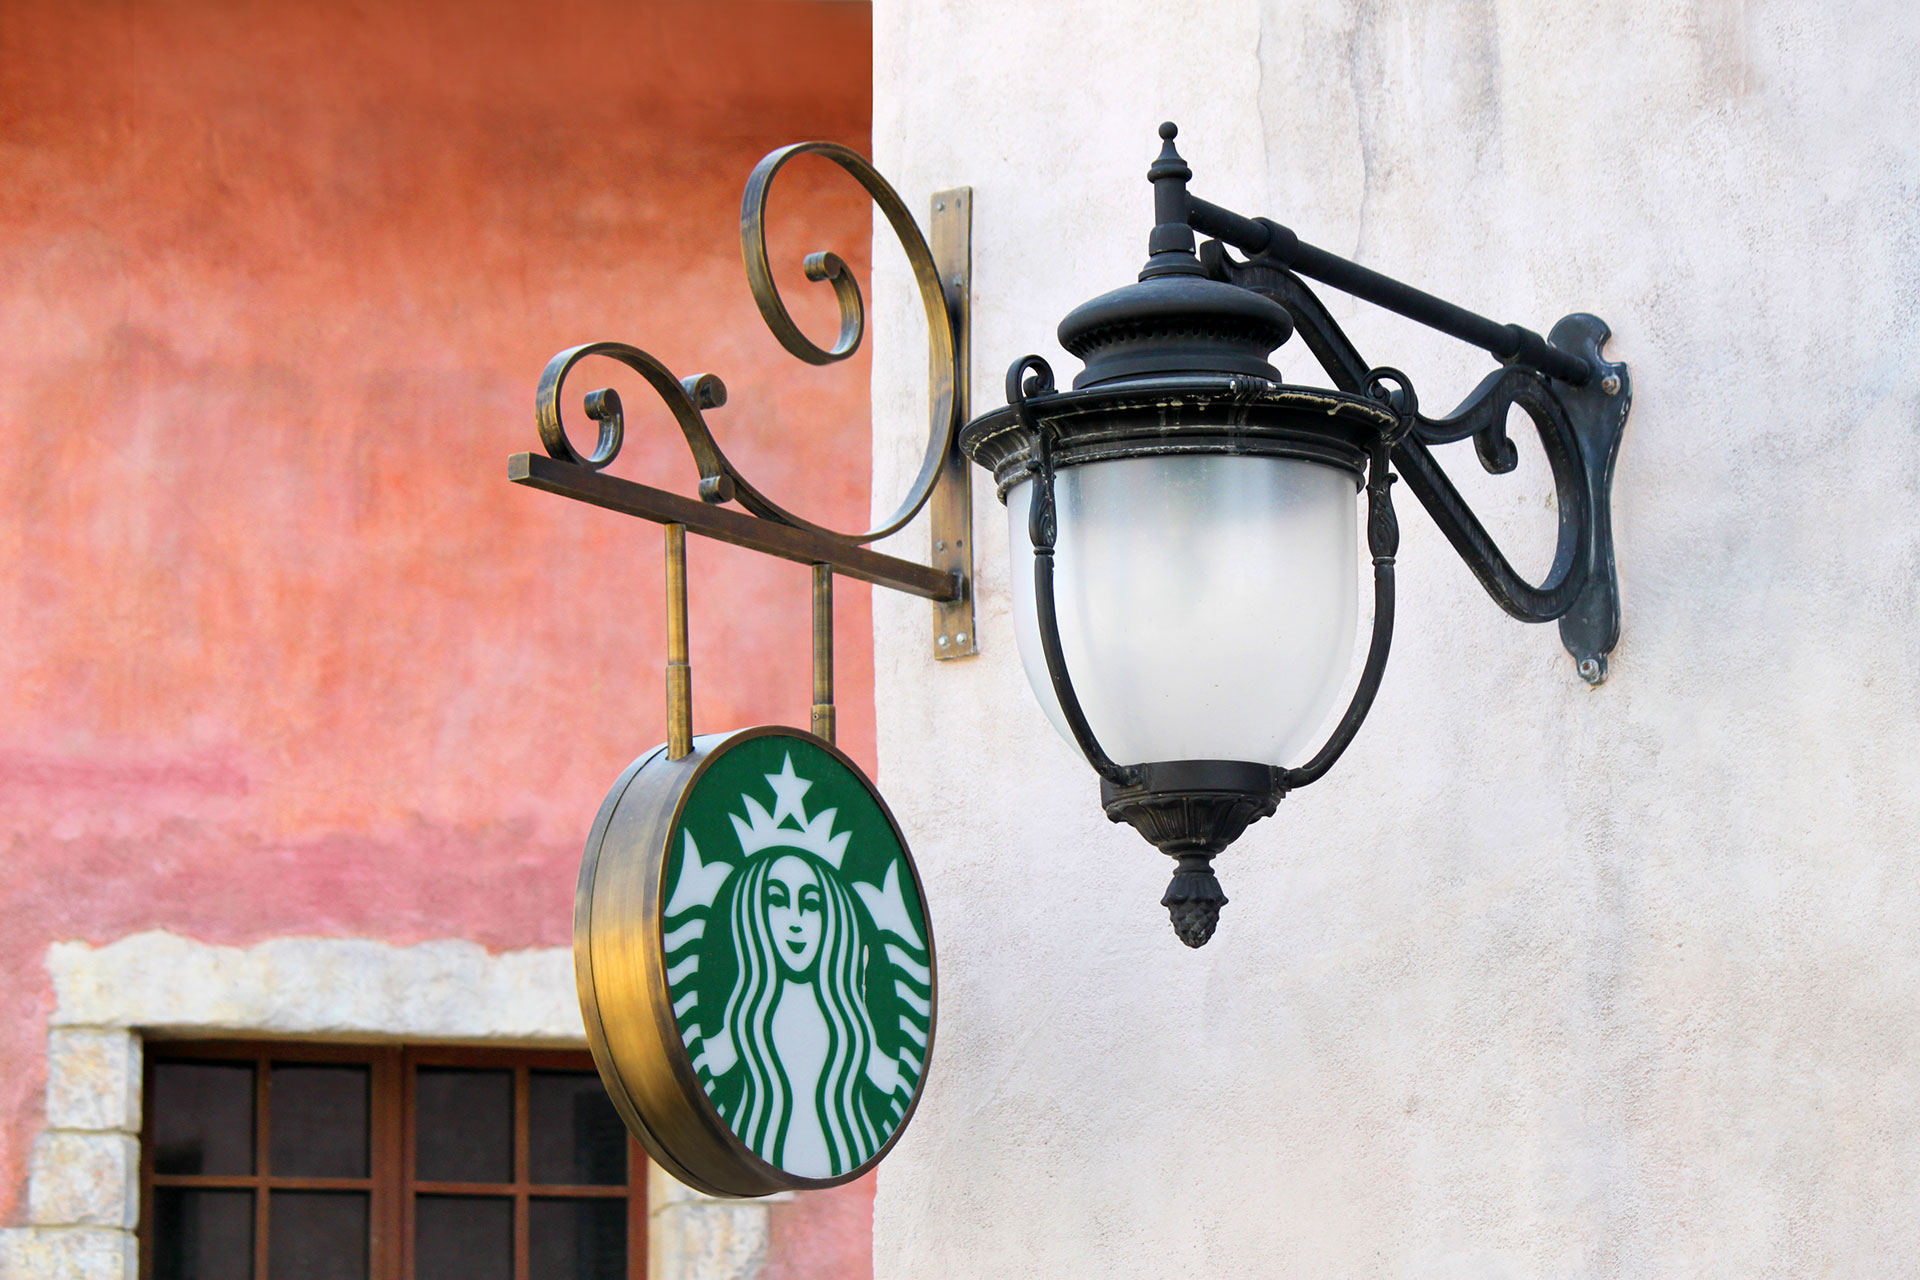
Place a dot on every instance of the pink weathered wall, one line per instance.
(286, 654)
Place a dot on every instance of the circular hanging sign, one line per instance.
(755, 963)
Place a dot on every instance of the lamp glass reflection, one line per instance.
(1206, 602)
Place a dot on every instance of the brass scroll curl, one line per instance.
(720, 480)
(686, 397)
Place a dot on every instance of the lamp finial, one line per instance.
(1170, 247)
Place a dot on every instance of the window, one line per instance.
(334, 1162)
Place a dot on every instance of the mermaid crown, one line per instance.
(788, 826)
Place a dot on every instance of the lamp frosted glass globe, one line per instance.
(1206, 602)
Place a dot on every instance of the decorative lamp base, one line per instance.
(1190, 810)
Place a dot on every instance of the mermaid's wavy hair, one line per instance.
(761, 1116)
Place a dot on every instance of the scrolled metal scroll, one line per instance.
(1395, 390)
(687, 399)
(828, 267)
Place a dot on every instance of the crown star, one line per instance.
(788, 789)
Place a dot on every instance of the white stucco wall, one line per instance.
(1541, 981)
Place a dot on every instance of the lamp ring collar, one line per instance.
(687, 399)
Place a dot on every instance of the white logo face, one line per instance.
(798, 959)
(793, 912)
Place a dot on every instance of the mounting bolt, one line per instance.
(1592, 672)
(939, 206)
(1611, 384)
(944, 641)
(960, 638)
(940, 545)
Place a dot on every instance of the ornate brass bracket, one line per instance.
(943, 485)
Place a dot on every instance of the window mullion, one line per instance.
(522, 1174)
(383, 1165)
(262, 1137)
(409, 1142)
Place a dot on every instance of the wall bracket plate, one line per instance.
(950, 540)
(1598, 413)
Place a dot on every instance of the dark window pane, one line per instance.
(202, 1235)
(577, 1239)
(202, 1117)
(319, 1121)
(463, 1238)
(575, 1136)
(316, 1235)
(464, 1125)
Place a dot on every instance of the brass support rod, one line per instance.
(679, 667)
(802, 546)
(823, 651)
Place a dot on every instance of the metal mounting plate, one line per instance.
(950, 519)
(1598, 412)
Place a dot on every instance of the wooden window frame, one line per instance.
(390, 1186)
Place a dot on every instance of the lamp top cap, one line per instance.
(1174, 321)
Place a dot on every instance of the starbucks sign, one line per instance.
(755, 963)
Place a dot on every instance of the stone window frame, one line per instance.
(83, 1199)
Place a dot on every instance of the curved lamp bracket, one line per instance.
(1579, 425)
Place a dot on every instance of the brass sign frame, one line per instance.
(620, 962)
(619, 908)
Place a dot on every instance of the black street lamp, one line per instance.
(1191, 602)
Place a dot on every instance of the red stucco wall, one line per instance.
(286, 654)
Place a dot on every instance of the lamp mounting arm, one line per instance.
(1577, 399)
(1266, 239)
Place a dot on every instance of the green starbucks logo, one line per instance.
(798, 957)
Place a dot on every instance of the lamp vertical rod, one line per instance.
(679, 667)
(823, 651)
